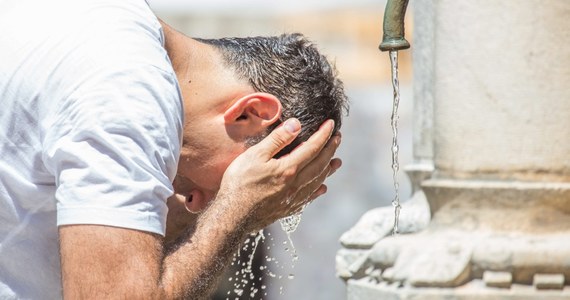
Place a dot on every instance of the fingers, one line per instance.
(319, 192)
(316, 168)
(279, 138)
(311, 190)
(315, 188)
(335, 163)
(306, 152)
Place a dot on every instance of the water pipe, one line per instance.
(393, 38)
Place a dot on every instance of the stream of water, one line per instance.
(395, 147)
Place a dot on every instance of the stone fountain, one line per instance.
(489, 217)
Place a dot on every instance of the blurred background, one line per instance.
(348, 33)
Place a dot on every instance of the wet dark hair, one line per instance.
(290, 68)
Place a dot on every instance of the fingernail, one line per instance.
(331, 122)
(292, 125)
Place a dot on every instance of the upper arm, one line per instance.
(104, 262)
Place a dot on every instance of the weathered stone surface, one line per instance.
(364, 289)
(386, 252)
(548, 281)
(444, 266)
(372, 226)
(388, 275)
(345, 258)
(498, 279)
(501, 105)
(532, 207)
(379, 222)
(493, 253)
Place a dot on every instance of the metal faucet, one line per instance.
(393, 38)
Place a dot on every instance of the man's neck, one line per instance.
(180, 50)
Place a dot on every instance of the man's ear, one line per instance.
(195, 202)
(253, 112)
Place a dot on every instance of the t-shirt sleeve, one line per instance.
(112, 129)
(113, 147)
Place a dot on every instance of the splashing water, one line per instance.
(246, 272)
(395, 148)
(293, 250)
(271, 267)
(289, 224)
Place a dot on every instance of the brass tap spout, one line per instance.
(393, 38)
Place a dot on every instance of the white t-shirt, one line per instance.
(90, 129)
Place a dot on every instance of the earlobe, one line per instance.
(195, 202)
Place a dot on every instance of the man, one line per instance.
(104, 108)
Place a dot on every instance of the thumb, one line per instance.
(279, 138)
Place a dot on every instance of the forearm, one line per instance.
(102, 262)
(194, 264)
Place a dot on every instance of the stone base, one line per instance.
(369, 289)
(450, 258)
(486, 240)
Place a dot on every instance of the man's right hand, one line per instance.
(267, 189)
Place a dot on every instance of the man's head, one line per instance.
(290, 68)
(236, 90)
